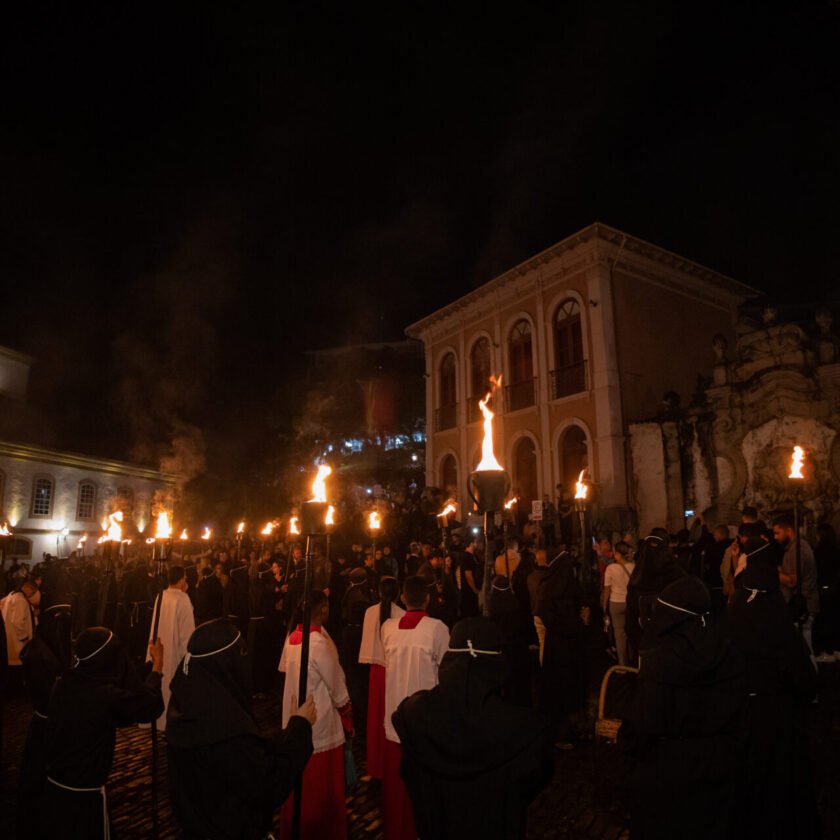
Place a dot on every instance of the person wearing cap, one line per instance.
(101, 692)
(686, 723)
(471, 761)
(226, 779)
(776, 792)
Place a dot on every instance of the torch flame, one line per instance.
(207, 534)
(580, 487)
(319, 485)
(266, 532)
(164, 529)
(330, 517)
(184, 535)
(374, 520)
(294, 527)
(797, 462)
(449, 508)
(240, 529)
(488, 457)
(82, 541)
(114, 528)
(511, 502)
(4, 530)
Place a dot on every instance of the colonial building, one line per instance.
(588, 336)
(50, 498)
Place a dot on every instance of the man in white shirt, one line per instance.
(174, 629)
(19, 621)
(414, 646)
(614, 596)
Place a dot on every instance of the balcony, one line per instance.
(446, 417)
(568, 380)
(521, 395)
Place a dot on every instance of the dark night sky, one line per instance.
(191, 196)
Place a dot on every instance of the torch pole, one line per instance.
(488, 564)
(798, 553)
(584, 554)
(304, 670)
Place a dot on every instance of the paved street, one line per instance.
(586, 799)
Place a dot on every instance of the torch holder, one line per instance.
(488, 489)
(313, 518)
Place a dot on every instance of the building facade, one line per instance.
(588, 336)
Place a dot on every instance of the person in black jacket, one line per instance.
(100, 693)
(472, 762)
(227, 780)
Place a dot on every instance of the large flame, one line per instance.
(319, 485)
(448, 508)
(266, 532)
(163, 530)
(4, 530)
(511, 502)
(206, 534)
(581, 489)
(184, 535)
(488, 457)
(797, 462)
(114, 527)
(294, 525)
(374, 520)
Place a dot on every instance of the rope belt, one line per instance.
(188, 656)
(701, 616)
(106, 827)
(473, 651)
(39, 715)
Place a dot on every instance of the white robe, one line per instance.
(177, 623)
(17, 616)
(412, 659)
(370, 650)
(324, 681)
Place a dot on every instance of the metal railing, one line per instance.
(521, 395)
(568, 380)
(446, 417)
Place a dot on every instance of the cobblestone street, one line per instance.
(586, 799)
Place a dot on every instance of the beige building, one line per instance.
(588, 336)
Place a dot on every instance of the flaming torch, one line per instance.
(240, 533)
(5, 531)
(448, 509)
(266, 532)
(207, 534)
(80, 547)
(374, 525)
(106, 606)
(797, 462)
(313, 516)
(488, 486)
(581, 494)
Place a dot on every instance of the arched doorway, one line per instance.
(525, 474)
(449, 476)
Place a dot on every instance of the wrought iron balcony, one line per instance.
(446, 417)
(521, 395)
(568, 380)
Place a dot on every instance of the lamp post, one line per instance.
(581, 493)
(488, 486)
(796, 475)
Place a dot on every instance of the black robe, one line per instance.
(209, 599)
(517, 629)
(471, 762)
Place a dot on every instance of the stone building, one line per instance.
(777, 385)
(588, 335)
(51, 498)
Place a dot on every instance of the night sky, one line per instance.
(192, 196)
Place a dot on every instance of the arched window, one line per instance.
(86, 505)
(574, 457)
(569, 374)
(481, 369)
(43, 490)
(449, 476)
(520, 393)
(447, 394)
(525, 473)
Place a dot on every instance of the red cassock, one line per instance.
(376, 722)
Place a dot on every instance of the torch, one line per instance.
(374, 524)
(796, 475)
(183, 539)
(80, 547)
(443, 516)
(266, 532)
(581, 492)
(488, 486)
(294, 531)
(107, 593)
(5, 531)
(240, 531)
(506, 531)
(314, 520)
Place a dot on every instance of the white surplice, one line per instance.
(370, 650)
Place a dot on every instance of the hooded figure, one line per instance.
(471, 761)
(776, 791)
(226, 779)
(516, 627)
(686, 726)
(87, 704)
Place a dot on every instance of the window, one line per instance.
(521, 393)
(446, 415)
(525, 473)
(86, 507)
(42, 496)
(569, 374)
(449, 476)
(480, 373)
(574, 457)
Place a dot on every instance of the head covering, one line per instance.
(100, 657)
(463, 727)
(210, 699)
(655, 565)
(686, 599)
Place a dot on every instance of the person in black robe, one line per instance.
(44, 659)
(517, 628)
(685, 730)
(655, 569)
(100, 693)
(260, 644)
(776, 789)
(238, 598)
(471, 761)
(209, 597)
(356, 601)
(227, 780)
(563, 675)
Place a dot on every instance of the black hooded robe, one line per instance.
(471, 762)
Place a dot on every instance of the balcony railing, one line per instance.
(446, 417)
(569, 379)
(521, 395)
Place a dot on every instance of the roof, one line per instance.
(595, 231)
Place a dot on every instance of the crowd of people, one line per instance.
(462, 691)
